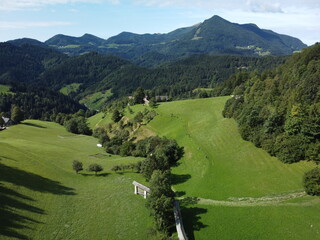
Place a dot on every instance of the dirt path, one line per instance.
(275, 200)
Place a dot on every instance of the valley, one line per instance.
(222, 117)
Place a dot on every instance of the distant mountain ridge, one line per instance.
(215, 36)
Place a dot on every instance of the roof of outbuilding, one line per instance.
(143, 187)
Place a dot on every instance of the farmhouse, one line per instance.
(162, 98)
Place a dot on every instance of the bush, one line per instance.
(116, 116)
(312, 182)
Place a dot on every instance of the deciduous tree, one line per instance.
(77, 166)
(95, 168)
(17, 114)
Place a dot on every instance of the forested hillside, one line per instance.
(279, 110)
(99, 73)
(110, 77)
(25, 63)
(38, 103)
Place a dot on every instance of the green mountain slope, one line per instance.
(99, 73)
(224, 172)
(95, 74)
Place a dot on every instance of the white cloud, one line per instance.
(254, 5)
(263, 6)
(73, 10)
(21, 25)
(10, 5)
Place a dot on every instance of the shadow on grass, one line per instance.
(94, 175)
(14, 205)
(32, 181)
(180, 193)
(10, 219)
(33, 125)
(192, 219)
(179, 178)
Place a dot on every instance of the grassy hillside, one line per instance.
(242, 192)
(96, 100)
(217, 159)
(4, 88)
(43, 198)
(73, 87)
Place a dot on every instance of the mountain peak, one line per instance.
(217, 18)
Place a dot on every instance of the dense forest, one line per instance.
(38, 103)
(99, 73)
(279, 110)
(25, 63)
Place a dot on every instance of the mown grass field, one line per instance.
(244, 193)
(43, 198)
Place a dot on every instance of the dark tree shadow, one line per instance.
(94, 175)
(10, 220)
(179, 178)
(32, 181)
(192, 219)
(179, 193)
(33, 125)
(13, 203)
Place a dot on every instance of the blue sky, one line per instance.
(42, 19)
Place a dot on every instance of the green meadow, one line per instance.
(229, 188)
(4, 88)
(73, 87)
(43, 198)
(96, 100)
